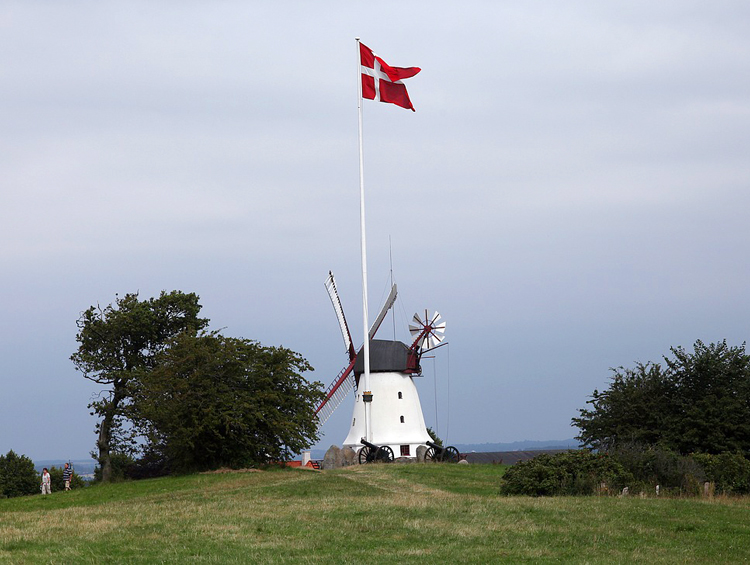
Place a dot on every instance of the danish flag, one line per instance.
(382, 82)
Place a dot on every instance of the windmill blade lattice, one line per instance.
(333, 294)
(336, 392)
(429, 331)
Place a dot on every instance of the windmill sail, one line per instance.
(336, 301)
(345, 381)
(336, 393)
(387, 306)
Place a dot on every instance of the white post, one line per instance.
(363, 241)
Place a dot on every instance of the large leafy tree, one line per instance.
(120, 342)
(631, 410)
(214, 401)
(695, 401)
(712, 407)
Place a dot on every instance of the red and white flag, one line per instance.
(382, 82)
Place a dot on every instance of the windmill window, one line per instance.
(400, 395)
(353, 420)
(402, 419)
(405, 451)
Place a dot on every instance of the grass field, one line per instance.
(372, 513)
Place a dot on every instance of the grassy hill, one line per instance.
(373, 513)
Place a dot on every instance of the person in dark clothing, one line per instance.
(67, 475)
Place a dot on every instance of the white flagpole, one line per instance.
(366, 349)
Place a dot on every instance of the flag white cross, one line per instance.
(378, 74)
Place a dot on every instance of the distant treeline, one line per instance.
(526, 445)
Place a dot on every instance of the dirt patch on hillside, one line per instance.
(224, 470)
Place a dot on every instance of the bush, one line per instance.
(651, 466)
(435, 438)
(150, 465)
(730, 472)
(121, 463)
(635, 466)
(17, 476)
(568, 473)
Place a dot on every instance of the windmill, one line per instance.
(396, 422)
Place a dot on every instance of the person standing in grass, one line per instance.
(67, 475)
(46, 480)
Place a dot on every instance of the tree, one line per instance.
(119, 343)
(214, 401)
(713, 405)
(631, 411)
(17, 475)
(696, 402)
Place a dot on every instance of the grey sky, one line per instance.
(571, 193)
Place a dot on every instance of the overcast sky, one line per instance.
(571, 194)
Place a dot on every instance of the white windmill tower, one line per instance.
(396, 423)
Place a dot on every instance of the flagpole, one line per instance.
(363, 241)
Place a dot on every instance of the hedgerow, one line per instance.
(569, 473)
(639, 468)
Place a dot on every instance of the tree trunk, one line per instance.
(104, 441)
(105, 461)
